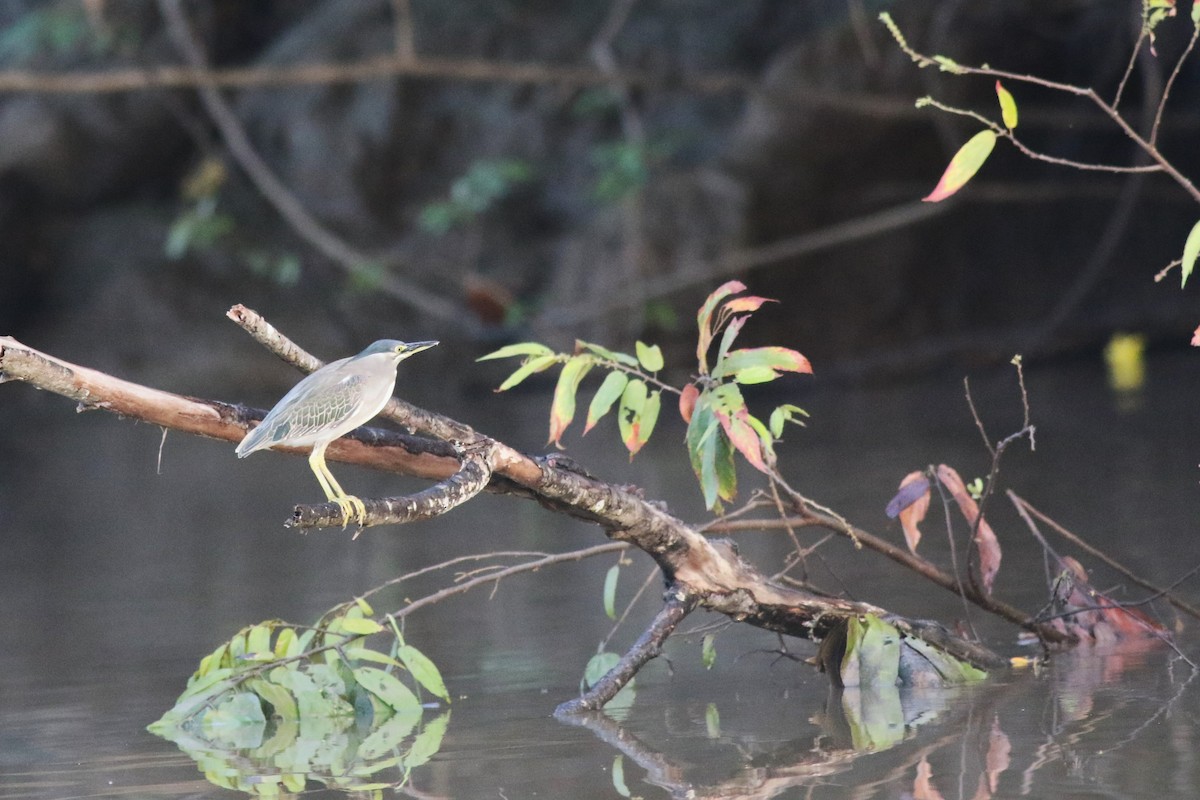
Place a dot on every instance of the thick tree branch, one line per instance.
(712, 571)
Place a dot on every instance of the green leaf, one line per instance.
(258, 640)
(633, 400)
(286, 643)
(361, 627)
(519, 349)
(963, 166)
(649, 417)
(562, 410)
(751, 375)
(610, 591)
(535, 364)
(364, 606)
(423, 670)
(784, 414)
(1191, 249)
(618, 776)
(708, 651)
(712, 721)
(386, 687)
(282, 701)
(872, 656)
(777, 358)
(1008, 106)
(367, 654)
(731, 331)
(598, 666)
(428, 742)
(606, 395)
(650, 356)
(604, 352)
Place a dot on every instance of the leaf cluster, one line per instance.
(712, 404)
(296, 694)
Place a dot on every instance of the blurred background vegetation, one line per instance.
(478, 172)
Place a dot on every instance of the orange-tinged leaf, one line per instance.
(704, 319)
(779, 358)
(687, 401)
(986, 542)
(963, 166)
(911, 504)
(1008, 106)
(751, 304)
(562, 410)
(633, 400)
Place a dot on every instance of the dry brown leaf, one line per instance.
(985, 538)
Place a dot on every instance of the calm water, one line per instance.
(116, 579)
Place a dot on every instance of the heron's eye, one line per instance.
(399, 348)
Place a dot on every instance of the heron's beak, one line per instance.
(412, 348)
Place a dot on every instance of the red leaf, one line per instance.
(743, 437)
(910, 504)
(985, 539)
(687, 401)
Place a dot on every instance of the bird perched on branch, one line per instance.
(330, 403)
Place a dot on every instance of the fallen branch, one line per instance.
(711, 572)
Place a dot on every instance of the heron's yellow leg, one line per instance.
(350, 505)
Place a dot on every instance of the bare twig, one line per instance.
(1095, 552)
(348, 258)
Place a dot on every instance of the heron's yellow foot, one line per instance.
(352, 507)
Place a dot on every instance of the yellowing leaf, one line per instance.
(755, 375)
(606, 395)
(423, 670)
(963, 166)
(361, 627)
(1008, 106)
(532, 365)
(562, 410)
(650, 356)
(1191, 249)
(519, 349)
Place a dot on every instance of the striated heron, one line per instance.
(330, 403)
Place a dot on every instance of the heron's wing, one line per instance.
(319, 408)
